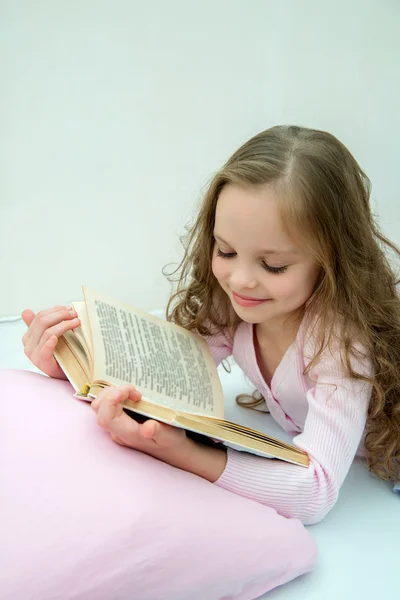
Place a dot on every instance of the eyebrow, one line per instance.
(267, 251)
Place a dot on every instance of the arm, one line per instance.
(333, 429)
(204, 461)
(337, 411)
(332, 432)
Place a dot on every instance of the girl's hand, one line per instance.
(164, 442)
(42, 335)
(152, 437)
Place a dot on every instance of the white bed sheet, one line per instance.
(359, 540)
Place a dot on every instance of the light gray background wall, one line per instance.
(114, 114)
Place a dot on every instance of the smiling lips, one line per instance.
(247, 301)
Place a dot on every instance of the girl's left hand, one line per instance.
(152, 437)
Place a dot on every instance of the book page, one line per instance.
(168, 364)
(83, 332)
(74, 344)
(71, 365)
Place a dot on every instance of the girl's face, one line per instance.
(266, 275)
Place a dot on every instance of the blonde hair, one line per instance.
(326, 198)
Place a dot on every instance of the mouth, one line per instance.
(248, 301)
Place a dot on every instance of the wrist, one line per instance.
(204, 461)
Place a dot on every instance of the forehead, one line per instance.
(250, 217)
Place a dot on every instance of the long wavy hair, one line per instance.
(325, 199)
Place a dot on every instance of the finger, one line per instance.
(47, 351)
(27, 316)
(34, 350)
(161, 434)
(129, 392)
(105, 415)
(47, 362)
(108, 406)
(58, 330)
(125, 431)
(46, 319)
(109, 394)
(41, 356)
(115, 397)
(33, 324)
(95, 404)
(118, 395)
(103, 396)
(123, 427)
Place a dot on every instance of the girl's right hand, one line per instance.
(42, 335)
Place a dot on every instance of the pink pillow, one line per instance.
(84, 518)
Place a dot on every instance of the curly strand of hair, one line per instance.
(250, 401)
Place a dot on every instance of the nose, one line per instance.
(242, 278)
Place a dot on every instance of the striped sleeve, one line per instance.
(335, 422)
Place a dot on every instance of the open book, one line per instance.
(171, 367)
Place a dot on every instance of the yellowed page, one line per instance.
(169, 365)
(233, 435)
(74, 344)
(83, 332)
(72, 366)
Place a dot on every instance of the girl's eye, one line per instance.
(274, 269)
(225, 254)
(264, 265)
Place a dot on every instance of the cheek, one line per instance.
(283, 287)
(219, 268)
(298, 285)
(291, 286)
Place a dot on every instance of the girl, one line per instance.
(285, 270)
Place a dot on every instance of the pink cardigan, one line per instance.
(327, 416)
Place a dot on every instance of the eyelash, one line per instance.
(275, 270)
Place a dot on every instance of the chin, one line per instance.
(252, 321)
(249, 315)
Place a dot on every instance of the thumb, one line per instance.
(151, 430)
(161, 434)
(28, 316)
